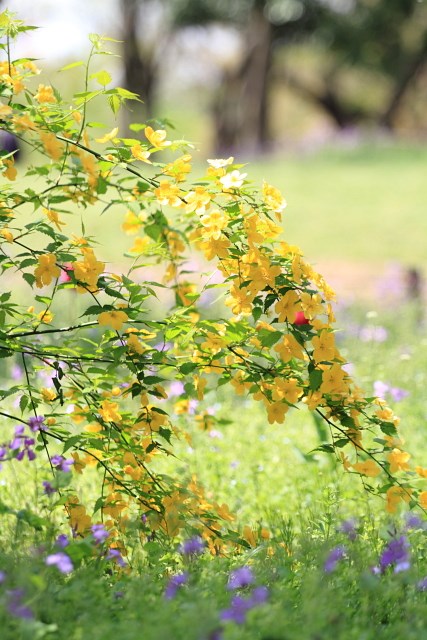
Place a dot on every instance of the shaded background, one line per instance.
(326, 98)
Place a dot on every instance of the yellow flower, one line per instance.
(109, 411)
(289, 348)
(114, 319)
(108, 136)
(10, 172)
(89, 270)
(45, 94)
(214, 223)
(367, 468)
(48, 395)
(131, 223)
(168, 194)
(311, 304)
(140, 154)
(276, 412)
(423, 499)
(398, 460)
(134, 344)
(215, 247)
(273, 199)
(287, 306)
(396, 495)
(45, 316)
(46, 270)
(197, 200)
(54, 218)
(287, 389)
(53, 147)
(324, 346)
(334, 379)
(179, 168)
(6, 234)
(157, 138)
(139, 246)
(5, 111)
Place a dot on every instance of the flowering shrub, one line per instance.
(107, 403)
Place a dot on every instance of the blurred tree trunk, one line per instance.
(402, 84)
(241, 110)
(329, 100)
(140, 67)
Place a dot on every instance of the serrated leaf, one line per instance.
(102, 77)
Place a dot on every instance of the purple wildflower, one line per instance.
(3, 453)
(337, 554)
(237, 611)
(62, 541)
(240, 578)
(114, 554)
(2, 577)
(373, 334)
(48, 489)
(100, 533)
(398, 394)
(37, 423)
(61, 561)
(176, 388)
(258, 596)
(422, 584)
(381, 389)
(28, 443)
(397, 554)
(348, 527)
(192, 546)
(18, 437)
(414, 522)
(16, 607)
(60, 463)
(176, 581)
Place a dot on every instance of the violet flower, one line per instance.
(237, 610)
(176, 581)
(28, 443)
(337, 554)
(48, 488)
(37, 423)
(396, 554)
(100, 533)
(60, 463)
(61, 561)
(62, 541)
(16, 607)
(18, 437)
(240, 578)
(3, 453)
(422, 584)
(349, 528)
(192, 546)
(114, 554)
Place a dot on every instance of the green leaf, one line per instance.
(188, 367)
(102, 77)
(315, 378)
(23, 403)
(72, 65)
(115, 104)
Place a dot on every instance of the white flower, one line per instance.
(217, 164)
(233, 180)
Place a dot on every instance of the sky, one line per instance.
(64, 26)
